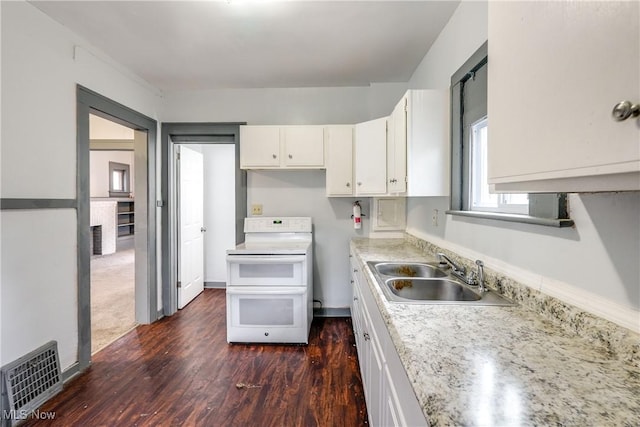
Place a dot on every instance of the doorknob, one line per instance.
(203, 229)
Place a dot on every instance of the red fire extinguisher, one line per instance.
(357, 215)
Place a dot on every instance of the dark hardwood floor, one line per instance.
(180, 371)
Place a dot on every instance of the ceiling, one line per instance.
(104, 129)
(195, 45)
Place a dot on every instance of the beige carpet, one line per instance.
(112, 297)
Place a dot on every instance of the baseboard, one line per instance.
(215, 285)
(331, 312)
(70, 372)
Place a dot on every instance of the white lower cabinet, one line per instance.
(389, 395)
(392, 414)
(375, 390)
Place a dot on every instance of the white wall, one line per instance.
(292, 193)
(99, 170)
(284, 106)
(219, 208)
(302, 193)
(599, 256)
(41, 64)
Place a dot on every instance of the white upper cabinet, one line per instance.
(339, 160)
(273, 147)
(371, 157)
(428, 146)
(556, 70)
(303, 146)
(259, 146)
(418, 145)
(397, 149)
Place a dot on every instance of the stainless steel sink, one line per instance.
(410, 269)
(430, 290)
(424, 283)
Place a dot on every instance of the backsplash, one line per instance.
(616, 340)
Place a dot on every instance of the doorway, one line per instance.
(112, 222)
(205, 194)
(142, 176)
(206, 136)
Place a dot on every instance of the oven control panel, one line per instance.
(277, 224)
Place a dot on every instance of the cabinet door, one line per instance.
(392, 415)
(356, 311)
(339, 161)
(356, 320)
(375, 372)
(428, 144)
(397, 149)
(371, 157)
(303, 146)
(259, 146)
(556, 69)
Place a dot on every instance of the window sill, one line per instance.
(525, 219)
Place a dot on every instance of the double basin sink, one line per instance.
(424, 283)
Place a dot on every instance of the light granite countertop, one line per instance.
(503, 366)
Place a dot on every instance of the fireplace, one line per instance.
(96, 240)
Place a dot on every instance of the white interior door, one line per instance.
(191, 193)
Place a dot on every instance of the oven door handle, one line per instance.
(265, 259)
(265, 290)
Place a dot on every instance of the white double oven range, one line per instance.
(270, 282)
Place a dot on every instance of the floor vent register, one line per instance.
(28, 382)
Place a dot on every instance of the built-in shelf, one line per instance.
(125, 218)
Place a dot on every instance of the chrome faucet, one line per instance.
(456, 269)
(480, 276)
(472, 278)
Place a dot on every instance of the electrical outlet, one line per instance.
(434, 218)
(256, 209)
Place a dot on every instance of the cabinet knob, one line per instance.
(359, 183)
(366, 336)
(625, 109)
(274, 156)
(290, 156)
(355, 298)
(355, 270)
(348, 184)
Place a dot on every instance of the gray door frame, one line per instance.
(89, 102)
(199, 133)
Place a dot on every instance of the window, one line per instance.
(480, 197)
(470, 192)
(118, 176)
(119, 180)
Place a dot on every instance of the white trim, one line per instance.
(632, 166)
(570, 294)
